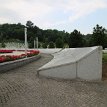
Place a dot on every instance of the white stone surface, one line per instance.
(90, 67)
(65, 72)
(69, 55)
(49, 51)
(84, 63)
(14, 45)
(14, 53)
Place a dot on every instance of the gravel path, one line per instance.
(22, 88)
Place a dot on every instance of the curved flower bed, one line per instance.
(9, 65)
(5, 58)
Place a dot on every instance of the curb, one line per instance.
(6, 66)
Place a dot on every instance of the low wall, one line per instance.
(50, 50)
(6, 66)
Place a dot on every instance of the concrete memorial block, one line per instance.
(71, 63)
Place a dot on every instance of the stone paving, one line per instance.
(22, 88)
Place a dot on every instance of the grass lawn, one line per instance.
(104, 57)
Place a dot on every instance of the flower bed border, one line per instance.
(6, 66)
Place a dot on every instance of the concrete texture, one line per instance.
(90, 67)
(22, 88)
(83, 63)
(50, 50)
(59, 72)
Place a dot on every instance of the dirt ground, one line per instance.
(104, 71)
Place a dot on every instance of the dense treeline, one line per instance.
(52, 38)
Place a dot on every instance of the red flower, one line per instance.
(6, 51)
(2, 59)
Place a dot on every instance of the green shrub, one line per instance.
(104, 57)
(51, 45)
(44, 45)
(59, 43)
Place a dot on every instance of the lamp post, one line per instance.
(26, 41)
(37, 42)
(34, 44)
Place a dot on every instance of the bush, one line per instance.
(51, 45)
(44, 45)
(59, 43)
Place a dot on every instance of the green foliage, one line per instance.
(51, 45)
(12, 31)
(99, 36)
(88, 40)
(29, 24)
(104, 57)
(75, 39)
(3, 45)
(44, 45)
(31, 45)
(16, 31)
(59, 43)
(9, 32)
(53, 35)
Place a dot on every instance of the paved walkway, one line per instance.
(22, 88)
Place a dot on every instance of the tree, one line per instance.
(44, 45)
(51, 45)
(75, 39)
(99, 36)
(59, 43)
(88, 40)
(29, 24)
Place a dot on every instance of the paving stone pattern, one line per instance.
(21, 87)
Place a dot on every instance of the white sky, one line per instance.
(65, 15)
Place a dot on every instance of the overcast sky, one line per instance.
(65, 15)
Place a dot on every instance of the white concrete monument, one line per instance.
(72, 63)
